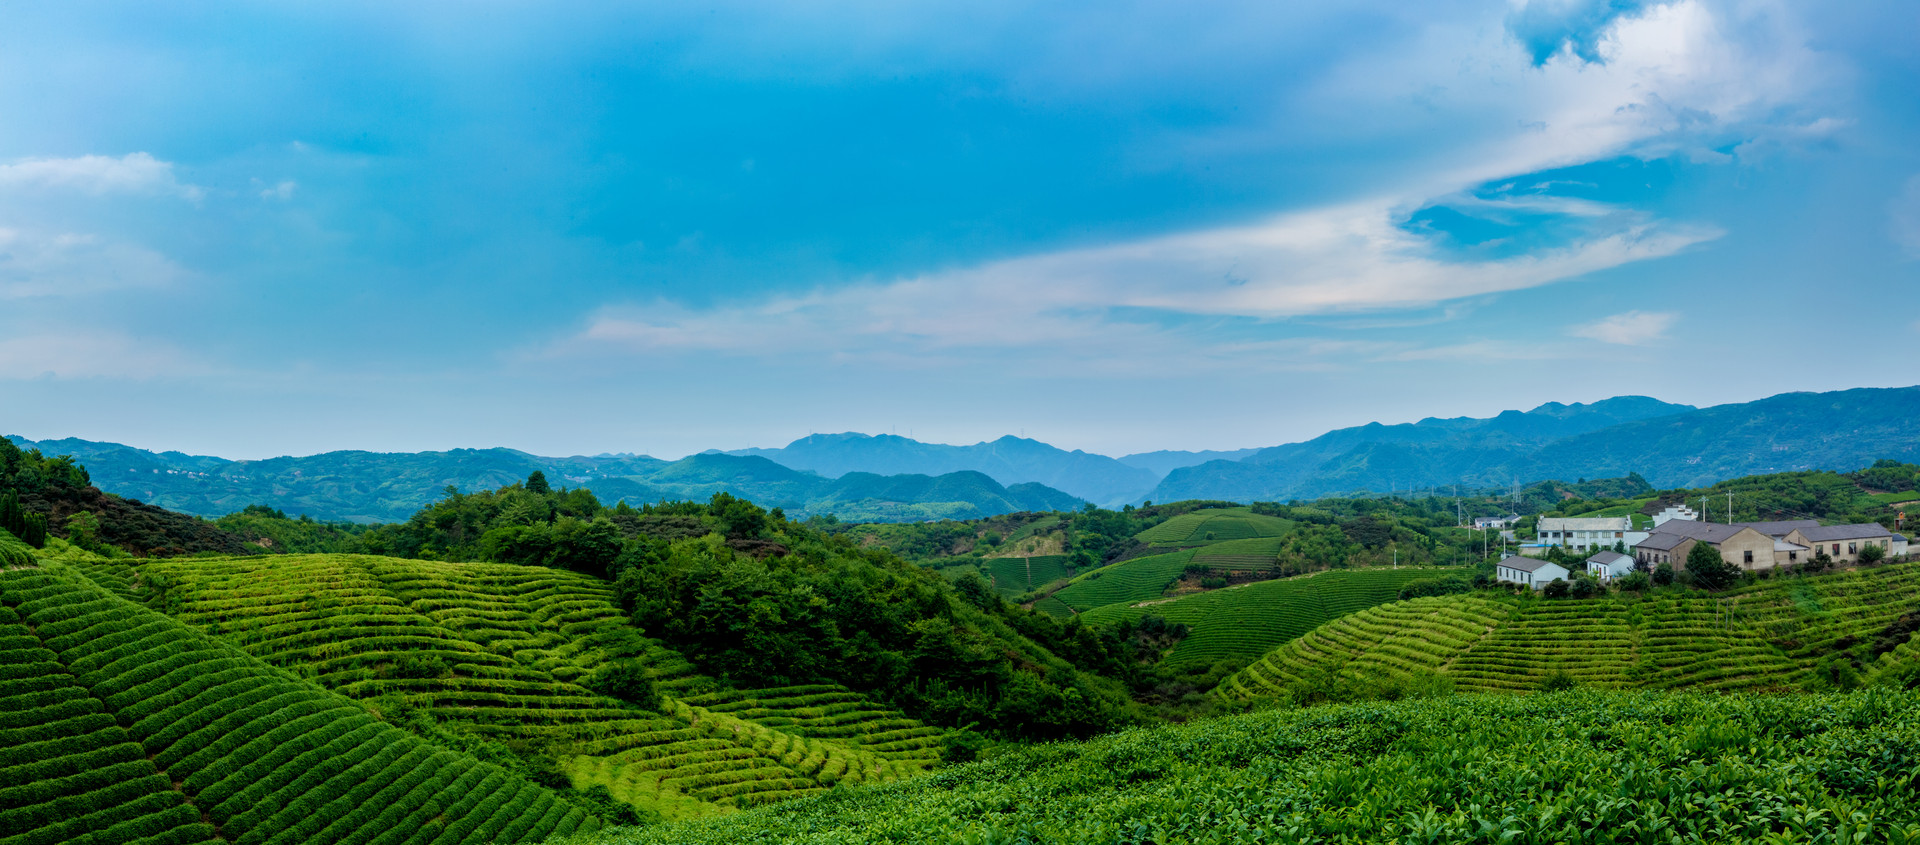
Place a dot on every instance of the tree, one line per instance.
(1872, 553)
(1709, 569)
(35, 534)
(12, 518)
(628, 681)
(537, 483)
(1663, 574)
(1555, 590)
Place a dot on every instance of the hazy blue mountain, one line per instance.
(1008, 460)
(385, 487)
(1164, 461)
(1669, 445)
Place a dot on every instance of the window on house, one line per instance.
(1749, 556)
(1852, 548)
(1792, 556)
(1836, 548)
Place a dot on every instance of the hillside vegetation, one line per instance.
(1792, 633)
(119, 724)
(1591, 767)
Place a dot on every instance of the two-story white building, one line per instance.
(1587, 533)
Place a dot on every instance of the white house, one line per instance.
(1673, 512)
(1519, 569)
(1484, 523)
(1899, 547)
(1609, 565)
(1590, 533)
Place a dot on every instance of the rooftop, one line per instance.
(1526, 564)
(1861, 531)
(1585, 523)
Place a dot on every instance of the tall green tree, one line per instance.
(1708, 568)
(537, 483)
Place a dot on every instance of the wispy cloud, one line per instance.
(133, 173)
(1633, 328)
(55, 264)
(1548, 27)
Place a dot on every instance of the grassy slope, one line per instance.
(118, 724)
(1012, 576)
(1766, 636)
(1139, 579)
(1242, 623)
(1591, 767)
(1213, 525)
(511, 649)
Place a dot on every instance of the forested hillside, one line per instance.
(373, 487)
(1669, 445)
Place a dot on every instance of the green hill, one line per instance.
(1588, 767)
(1139, 579)
(1781, 634)
(118, 724)
(1214, 525)
(512, 654)
(1242, 623)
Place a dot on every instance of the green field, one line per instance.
(1774, 635)
(1243, 623)
(118, 724)
(1134, 580)
(1587, 767)
(1012, 576)
(506, 652)
(1214, 525)
(1255, 554)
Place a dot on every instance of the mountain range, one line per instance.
(390, 487)
(891, 478)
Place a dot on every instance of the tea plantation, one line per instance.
(118, 724)
(1242, 623)
(509, 653)
(1582, 766)
(1782, 634)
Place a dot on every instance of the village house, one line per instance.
(1534, 573)
(1609, 565)
(1844, 542)
(1487, 523)
(1745, 546)
(1587, 533)
(1899, 546)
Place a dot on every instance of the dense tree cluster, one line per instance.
(52, 491)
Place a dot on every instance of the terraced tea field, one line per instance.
(1214, 525)
(1255, 554)
(1243, 623)
(1139, 579)
(507, 652)
(1593, 767)
(1012, 576)
(118, 724)
(1771, 635)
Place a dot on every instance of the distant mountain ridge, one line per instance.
(1010, 460)
(892, 478)
(390, 487)
(1669, 445)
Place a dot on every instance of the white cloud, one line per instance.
(1904, 217)
(38, 263)
(1673, 81)
(1633, 328)
(282, 190)
(81, 353)
(97, 175)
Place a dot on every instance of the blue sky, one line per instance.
(276, 228)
